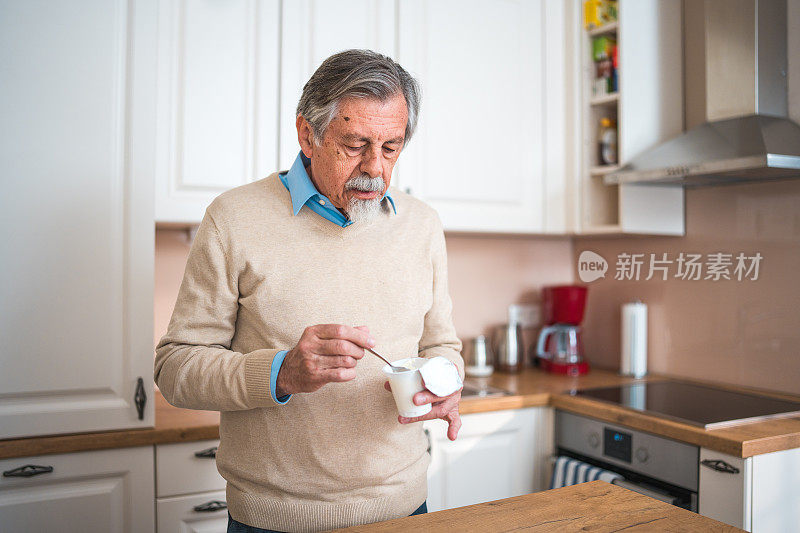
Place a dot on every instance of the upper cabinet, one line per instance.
(489, 149)
(489, 153)
(77, 155)
(643, 102)
(313, 30)
(508, 130)
(218, 72)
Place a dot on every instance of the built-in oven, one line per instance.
(656, 466)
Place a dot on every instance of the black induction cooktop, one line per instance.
(699, 405)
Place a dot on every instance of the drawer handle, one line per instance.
(28, 471)
(210, 507)
(209, 453)
(720, 466)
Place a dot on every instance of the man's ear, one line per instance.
(305, 136)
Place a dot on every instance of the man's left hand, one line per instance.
(444, 407)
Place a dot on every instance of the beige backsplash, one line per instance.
(740, 332)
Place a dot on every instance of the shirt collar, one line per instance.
(301, 188)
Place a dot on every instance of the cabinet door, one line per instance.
(197, 513)
(76, 212)
(313, 30)
(496, 455)
(776, 491)
(726, 496)
(217, 101)
(478, 154)
(104, 492)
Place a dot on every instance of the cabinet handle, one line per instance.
(209, 453)
(428, 435)
(140, 398)
(720, 466)
(28, 471)
(210, 507)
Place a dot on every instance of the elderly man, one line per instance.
(288, 280)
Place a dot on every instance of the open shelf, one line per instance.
(606, 99)
(603, 170)
(647, 108)
(605, 29)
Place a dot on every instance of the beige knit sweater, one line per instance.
(255, 278)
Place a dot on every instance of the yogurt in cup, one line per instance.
(406, 384)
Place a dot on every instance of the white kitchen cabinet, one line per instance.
(76, 154)
(218, 72)
(488, 154)
(647, 108)
(88, 492)
(197, 513)
(759, 494)
(189, 490)
(187, 467)
(497, 455)
(313, 30)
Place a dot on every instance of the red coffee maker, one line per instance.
(560, 349)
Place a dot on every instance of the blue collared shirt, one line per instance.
(303, 193)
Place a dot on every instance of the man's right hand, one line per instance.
(325, 353)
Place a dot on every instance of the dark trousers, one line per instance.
(238, 527)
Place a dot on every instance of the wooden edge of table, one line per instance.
(595, 505)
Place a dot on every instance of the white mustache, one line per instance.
(365, 183)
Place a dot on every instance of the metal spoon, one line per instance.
(394, 368)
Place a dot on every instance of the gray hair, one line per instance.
(359, 74)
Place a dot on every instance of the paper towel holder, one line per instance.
(633, 339)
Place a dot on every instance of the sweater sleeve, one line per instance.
(439, 334)
(194, 365)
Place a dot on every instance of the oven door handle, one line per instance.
(625, 484)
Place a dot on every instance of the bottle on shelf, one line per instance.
(607, 142)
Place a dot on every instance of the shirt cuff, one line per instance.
(277, 361)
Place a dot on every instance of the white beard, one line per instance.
(359, 210)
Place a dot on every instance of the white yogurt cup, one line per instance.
(405, 385)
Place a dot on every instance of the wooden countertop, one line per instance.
(530, 388)
(594, 506)
(172, 425)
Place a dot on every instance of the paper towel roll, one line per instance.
(634, 339)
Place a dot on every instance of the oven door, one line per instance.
(654, 488)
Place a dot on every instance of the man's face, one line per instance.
(365, 138)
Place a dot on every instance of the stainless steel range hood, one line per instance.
(748, 136)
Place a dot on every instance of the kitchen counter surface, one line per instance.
(529, 388)
(594, 506)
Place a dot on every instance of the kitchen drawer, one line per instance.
(204, 512)
(180, 471)
(108, 491)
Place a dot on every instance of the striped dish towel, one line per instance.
(569, 471)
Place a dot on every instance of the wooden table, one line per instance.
(596, 506)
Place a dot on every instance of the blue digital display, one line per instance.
(617, 444)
